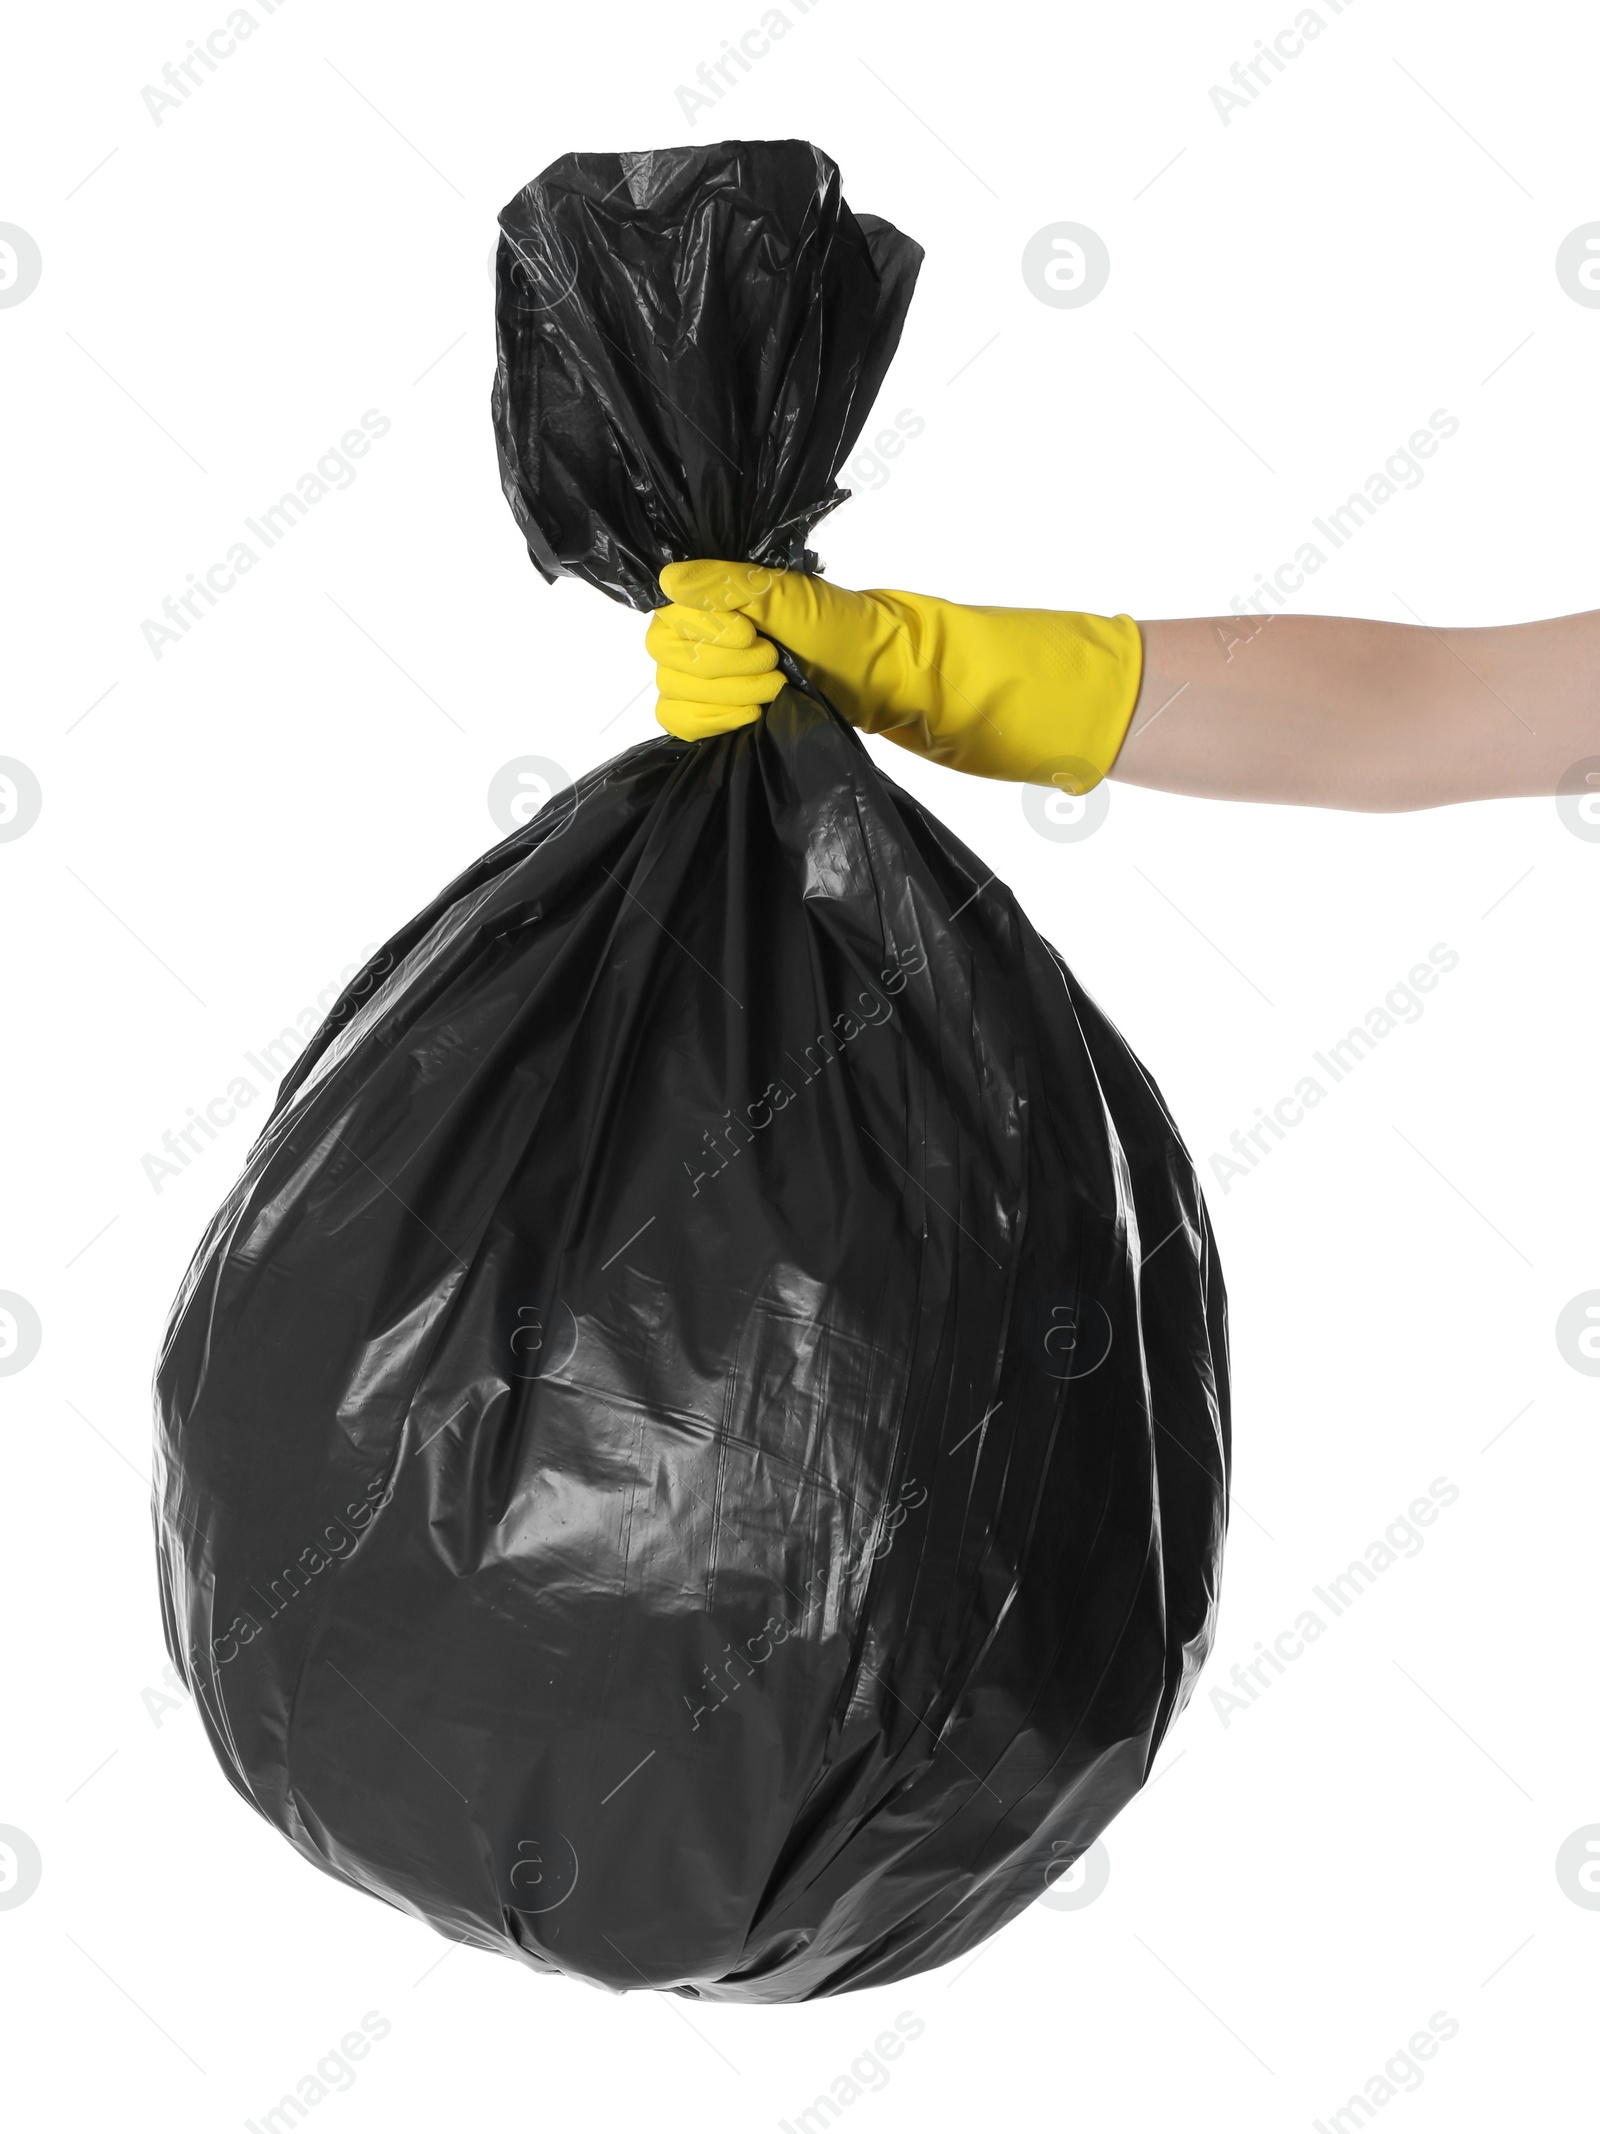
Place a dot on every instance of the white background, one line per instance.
(305, 238)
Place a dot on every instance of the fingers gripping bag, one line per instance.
(695, 1454)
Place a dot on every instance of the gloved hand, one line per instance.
(997, 692)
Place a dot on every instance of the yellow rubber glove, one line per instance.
(998, 692)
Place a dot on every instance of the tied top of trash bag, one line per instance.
(688, 343)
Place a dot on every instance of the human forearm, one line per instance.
(1318, 711)
(1332, 712)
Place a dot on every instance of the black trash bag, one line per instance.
(695, 1454)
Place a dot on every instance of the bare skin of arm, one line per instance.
(1329, 712)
